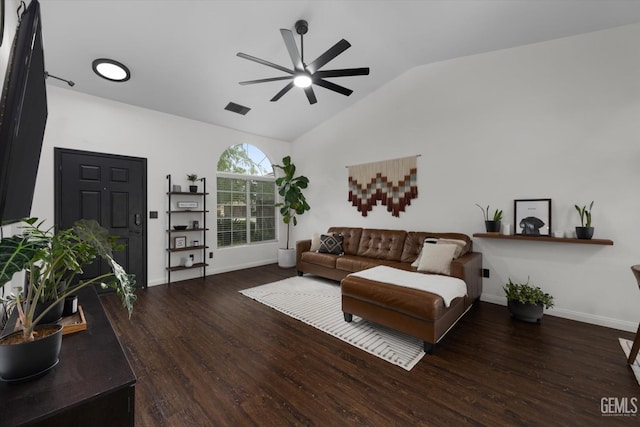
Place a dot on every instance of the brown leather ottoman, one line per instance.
(412, 311)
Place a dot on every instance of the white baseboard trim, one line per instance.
(241, 266)
(574, 315)
(211, 271)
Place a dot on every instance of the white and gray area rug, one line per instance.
(317, 302)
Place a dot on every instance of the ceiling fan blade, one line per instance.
(343, 73)
(292, 48)
(311, 96)
(334, 87)
(272, 79)
(284, 90)
(331, 53)
(263, 62)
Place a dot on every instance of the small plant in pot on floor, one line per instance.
(585, 231)
(526, 302)
(491, 225)
(51, 262)
(293, 204)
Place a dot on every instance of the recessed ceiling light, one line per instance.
(111, 70)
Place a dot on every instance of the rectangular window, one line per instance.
(245, 211)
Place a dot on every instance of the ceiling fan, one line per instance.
(305, 75)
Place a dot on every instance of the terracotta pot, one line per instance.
(29, 360)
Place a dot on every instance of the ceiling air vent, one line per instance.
(237, 108)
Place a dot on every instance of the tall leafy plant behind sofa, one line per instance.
(293, 204)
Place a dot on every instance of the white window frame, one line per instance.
(248, 178)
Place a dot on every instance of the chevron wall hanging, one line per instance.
(392, 182)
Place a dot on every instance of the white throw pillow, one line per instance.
(315, 242)
(428, 240)
(437, 258)
(460, 244)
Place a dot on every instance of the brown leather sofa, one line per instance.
(417, 313)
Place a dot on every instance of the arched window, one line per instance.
(246, 194)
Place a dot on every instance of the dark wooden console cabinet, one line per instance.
(92, 385)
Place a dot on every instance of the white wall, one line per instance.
(171, 145)
(558, 120)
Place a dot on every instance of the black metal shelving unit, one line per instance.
(201, 230)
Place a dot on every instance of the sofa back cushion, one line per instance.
(351, 238)
(415, 240)
(382, 244)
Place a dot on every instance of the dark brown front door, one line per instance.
(112, 190)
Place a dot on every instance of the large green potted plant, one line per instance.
(491, 225)
(526, 302)
(51, 262)
(585, 230)
(293, 204)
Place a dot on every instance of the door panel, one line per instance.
(112, 190)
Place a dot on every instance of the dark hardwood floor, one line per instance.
(206, 355)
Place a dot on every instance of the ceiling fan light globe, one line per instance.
(302, 80)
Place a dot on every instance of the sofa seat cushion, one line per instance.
(412, 302)
(352, 263)
(325, 260)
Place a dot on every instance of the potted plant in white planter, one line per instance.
(51, 262)
(585, 230)
(192, 178)
(492, 225)
(526, 302)
(293, 203)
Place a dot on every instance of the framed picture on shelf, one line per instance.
(180, 242)
(188, 205)
(532, 217)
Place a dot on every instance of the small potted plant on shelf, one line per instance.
(585, 230)
(293, 203)
(491, 225)
(526, 302)
(192, 178)
(51, 262)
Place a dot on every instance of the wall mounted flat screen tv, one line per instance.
(23, 117)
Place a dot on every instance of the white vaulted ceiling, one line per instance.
(182, 53)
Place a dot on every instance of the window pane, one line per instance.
(245, 159)
(243, 201)
(223, 184)
(238, 185)
(224, 225)
(224, 198)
